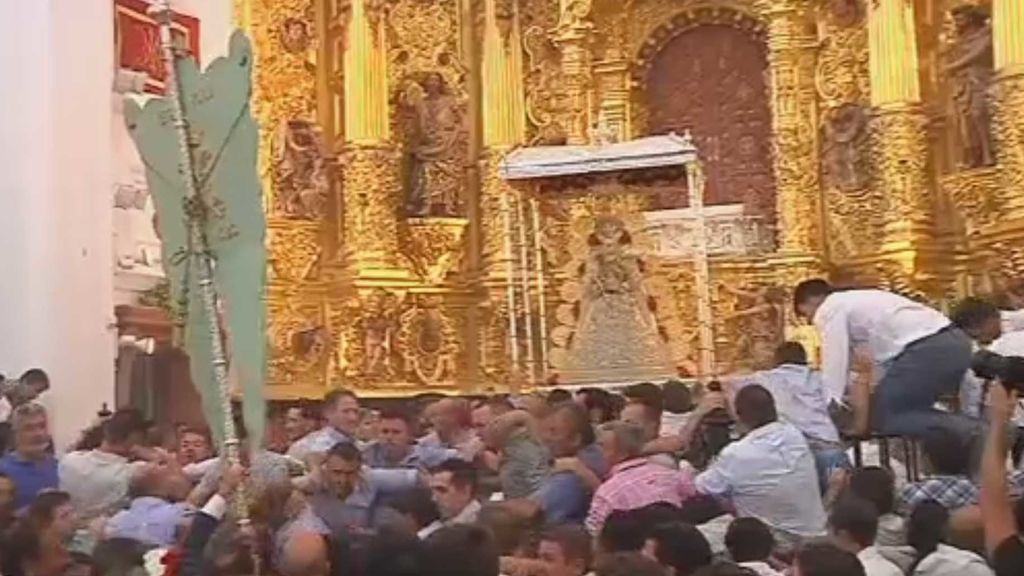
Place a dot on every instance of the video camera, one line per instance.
(1007, 369)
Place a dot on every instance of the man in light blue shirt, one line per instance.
(156, 514)
(801, 400)
(397, 447)
(341, 411)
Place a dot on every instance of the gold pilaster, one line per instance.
(573, 38)
(613, 85)
(893, 52)
(366, 74)
(504, 116)
(899, 127)
(792, 54)
(1008, 94)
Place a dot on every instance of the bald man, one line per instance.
(305, 554)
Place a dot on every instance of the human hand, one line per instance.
(838, 480)
(231, 479)
(1001, 403)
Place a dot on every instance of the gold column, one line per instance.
(612, 79)
(1008, 93)
(792, 57)
(370, 182)
(899, 128)
(573, 39)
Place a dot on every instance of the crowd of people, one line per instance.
(750, 475)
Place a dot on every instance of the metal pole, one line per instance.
(542, 306)
(198, 244)
(510, 288)
(702, 275)
(524, 276)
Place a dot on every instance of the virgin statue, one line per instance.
(617, 336)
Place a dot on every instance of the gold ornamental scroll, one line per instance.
(573, 37)
(792, 47)
(1008, 93)
(899, 128)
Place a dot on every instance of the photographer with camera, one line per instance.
(1002, 529)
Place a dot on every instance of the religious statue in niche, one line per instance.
(436, 157)
(616, 327)
(846, 139)
(845, 13)
(295, 35)
(970, 65)
(378, 333)
(310, 345)
(301, 171)
(758, 325)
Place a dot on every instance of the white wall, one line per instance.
(56, 292)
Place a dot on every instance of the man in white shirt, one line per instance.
(769, 473)
(854, 524)
(919, 353)
(801, 400)
(453, 487)
(341, 412)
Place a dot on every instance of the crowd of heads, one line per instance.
(469, 486)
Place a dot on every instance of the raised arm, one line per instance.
(996, 508)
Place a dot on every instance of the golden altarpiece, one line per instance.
(875, 141)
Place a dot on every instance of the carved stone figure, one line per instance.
(846, 138)
(845, 13)
(617, 332)
(301, 178)
(378, 333)
(970, 67)
(294, 35)
(436, 160)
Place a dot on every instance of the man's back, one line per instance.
(770, 475)
(884, 322)
(800, 399)
(97, 482)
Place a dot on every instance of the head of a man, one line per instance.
(621, 441)
(342, 469)
(453, 486)
(159, 481)
(643, 416)
(979, 318)
(194, 446)
(854, 524)
(31, 431)
(826, 559)
(677, 396)
(28, 550)
(875, 485)
(790, 353)
(462, 550)
(749, 540)
(396, 434)
(567, 430)
(808, 296)
(450, 417)
(299, 421)
(680, 548)
(946, 453)
(754, 407)
(341, 411)
(488, 410)
(369, 425)
(52, 511)
(566, 550)
(123, 432)
(305, 554)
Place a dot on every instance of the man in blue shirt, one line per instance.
(31, 465)
(398, 448)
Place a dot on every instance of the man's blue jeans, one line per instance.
(903, 403)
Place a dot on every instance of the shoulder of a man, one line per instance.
(1008, 557)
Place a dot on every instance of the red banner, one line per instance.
(137, 40)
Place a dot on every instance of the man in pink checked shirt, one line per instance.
(634, 481)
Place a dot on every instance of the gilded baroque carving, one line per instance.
(372, 190)
(842, 76)
(1009, 133)
(846, 153)
(299, 341)
(433, 246)
(295, 251)
(302, 171)
(900, 148)
(423, 36)
(976, 195)
(428, 339)
(755, 316)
